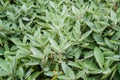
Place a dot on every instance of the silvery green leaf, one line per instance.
(99, 57)
(20, 72)
(68, 71)
(85, 35)
(36, 53)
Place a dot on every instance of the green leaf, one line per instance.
(17, 41)
(114, 58)
(85, 35)
(22, 26)
(99, 27)
(27, 74)
(63, 77)
(66, 45)
(52, 4)
(34, 75)
(75, 10)
(4, 66)
(36, 53)
(2, 50)
(62, 39)
(97, 71)
(88, 54)
(113, 15)
(109, 44)
(78, 53)
(99, 39)
(75, 64)
(99, 57)
(49, 73)
(108, 63)
(80, 74)
(68, 71)
(90, 66)
(54, 45)
(113, 74)
(106, 71)
(3, 73)
(20, 72)
(116, 36)
(92, 26)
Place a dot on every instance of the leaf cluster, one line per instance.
(59, 39)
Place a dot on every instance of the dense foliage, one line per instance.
(59, 39)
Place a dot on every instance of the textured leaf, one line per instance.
(35, 75)
(113, 15)
(37, 53)
(54, 45)
(85, 35)
(20, 72)
(4, 66)
(75, 10)
(109, 44)
(99, 57)
(59, 39)
(80, 74)
(74, 64)
(90, 65)
(68, 71)
(64, 77)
